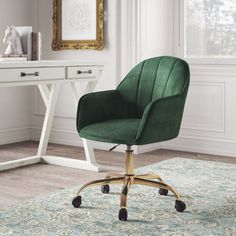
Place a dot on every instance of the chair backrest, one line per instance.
(154, 78)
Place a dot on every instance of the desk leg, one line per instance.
(19, 163)
(88, 149)
(49, 98)
(89, 152)
(90, 86)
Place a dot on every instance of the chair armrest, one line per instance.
(161, 120)
(100, 106)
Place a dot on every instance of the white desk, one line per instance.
(48, 77)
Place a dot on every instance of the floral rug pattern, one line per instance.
(208, 189)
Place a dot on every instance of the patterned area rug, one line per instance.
(208, 189)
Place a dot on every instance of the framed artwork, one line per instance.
(78, 24)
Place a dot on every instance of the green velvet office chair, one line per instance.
(146, 107)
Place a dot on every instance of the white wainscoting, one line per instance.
(209, 119)
(14, 135)
(204, 109)
(71, 137)
(210, 113)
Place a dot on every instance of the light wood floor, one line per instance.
(23, 183)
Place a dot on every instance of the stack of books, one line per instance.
(36, 46)
(31, 44)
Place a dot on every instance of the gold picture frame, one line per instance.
(92, 31)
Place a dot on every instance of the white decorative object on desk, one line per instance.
(13, 41)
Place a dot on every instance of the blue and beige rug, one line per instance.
(208, 189)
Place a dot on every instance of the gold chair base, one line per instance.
(128, 179)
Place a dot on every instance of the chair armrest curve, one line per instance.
(100, 106)
(161, 120)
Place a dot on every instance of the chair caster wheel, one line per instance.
(76, 202)
(105, 188)
(180, 206)
(163, 191)
(123, 214)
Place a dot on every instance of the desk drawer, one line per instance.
(75, 72)
(31, 74)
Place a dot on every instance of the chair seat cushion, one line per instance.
(121, 131)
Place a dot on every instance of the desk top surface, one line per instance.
(45, 63)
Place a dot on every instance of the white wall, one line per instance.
(156, 28)
(15, 103)
(148, 28)
(146, 31)
(209, 118)
(16, 13)
(63, 130)
(107, 56)
(134, 30)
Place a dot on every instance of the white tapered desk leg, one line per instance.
(89, 152)
(90, 86)
(50, 98)
(48, 119)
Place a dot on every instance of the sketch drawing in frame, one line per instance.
(78, 24)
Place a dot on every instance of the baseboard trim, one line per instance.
(148, 147)
(14, 135)
(207, 145)
(65, 137)
(219, 147)
(72, 138)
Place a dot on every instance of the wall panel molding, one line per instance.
(213, 70)
(194, 143)
(214, 132)
(207, 145)
(205, 106)
(70, 137)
